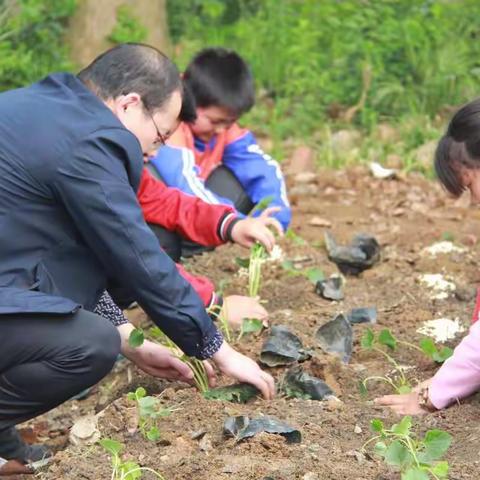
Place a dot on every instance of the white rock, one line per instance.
(85, 431)
(443, 248)
(381, 172)
(441, 329)
(438, 284)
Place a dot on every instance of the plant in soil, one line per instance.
(221, 314)
(415, 458)
(149, 411)
(250, 325)
(314, 274)
(137, 337)
(398, 381)
(257, 257)
(124, 470)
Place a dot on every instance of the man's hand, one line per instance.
(250, 230)
(241, 368)
(159, 361)
(238, 307)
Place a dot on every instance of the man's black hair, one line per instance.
(459, 148)
(133, 67)
(221, 78)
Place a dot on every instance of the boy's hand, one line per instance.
(244, 369)
(250, 230)
(238, 307)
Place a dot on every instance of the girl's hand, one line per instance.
(241, 368)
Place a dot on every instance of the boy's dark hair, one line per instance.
(221, 78)
(188, 113)
(133, 67)
(459, 147)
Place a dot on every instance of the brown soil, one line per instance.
(405, 216)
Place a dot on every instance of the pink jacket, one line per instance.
(459, 376)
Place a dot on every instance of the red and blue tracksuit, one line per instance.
(186, 162)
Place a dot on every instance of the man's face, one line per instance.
(150, 128)
(211, 121)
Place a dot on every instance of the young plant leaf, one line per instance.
(368, 339)
(386, 338)
(362, 388)
(443, 354)
(377, 425)
(130, 471)
(242, 262)
(441, 469)
(403, 389)
(250, 325)
(314, 274)
(415, 473)
(397, 454)
(380, 449)
(153, 434)
(403, 427)
(428, 347)
(262, 205)
(436, 443)
(140, 392)
(136, 338)
(296, 239)
(113, 447)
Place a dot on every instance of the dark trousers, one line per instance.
(46, 359)
(221, 182)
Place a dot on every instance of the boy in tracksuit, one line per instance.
(212, 157)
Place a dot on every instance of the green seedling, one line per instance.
(448, 236)
(257, 257)
(261, 205)
(136, 338)
(240, 393)
(127, 470)
(415, 458)
(221, 314)
(149, 411)
(296, 239)
(373, 342)
(314, 274)
(428, 347)
(250, 325)
(197, 366)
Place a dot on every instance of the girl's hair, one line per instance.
(459, 147)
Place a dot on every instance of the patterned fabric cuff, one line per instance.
(225, 226)
(108, 309)
(212, 347)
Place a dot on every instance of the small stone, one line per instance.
(320, 222)
(311, 476)
(305, 178)
(357, 429)
(85, 431)
(359, 456)
(198, 434)
(205, 444)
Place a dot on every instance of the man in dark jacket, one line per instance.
(71, 157)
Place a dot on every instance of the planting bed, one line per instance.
(405, 216)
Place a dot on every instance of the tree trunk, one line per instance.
(94, 21)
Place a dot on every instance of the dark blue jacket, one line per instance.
(69, 216)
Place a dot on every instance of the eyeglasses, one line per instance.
(161, 139)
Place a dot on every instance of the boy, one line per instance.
(212, 157)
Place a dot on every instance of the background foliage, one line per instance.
(31, 39)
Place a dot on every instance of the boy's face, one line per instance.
(471, 180)
(211, 121)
